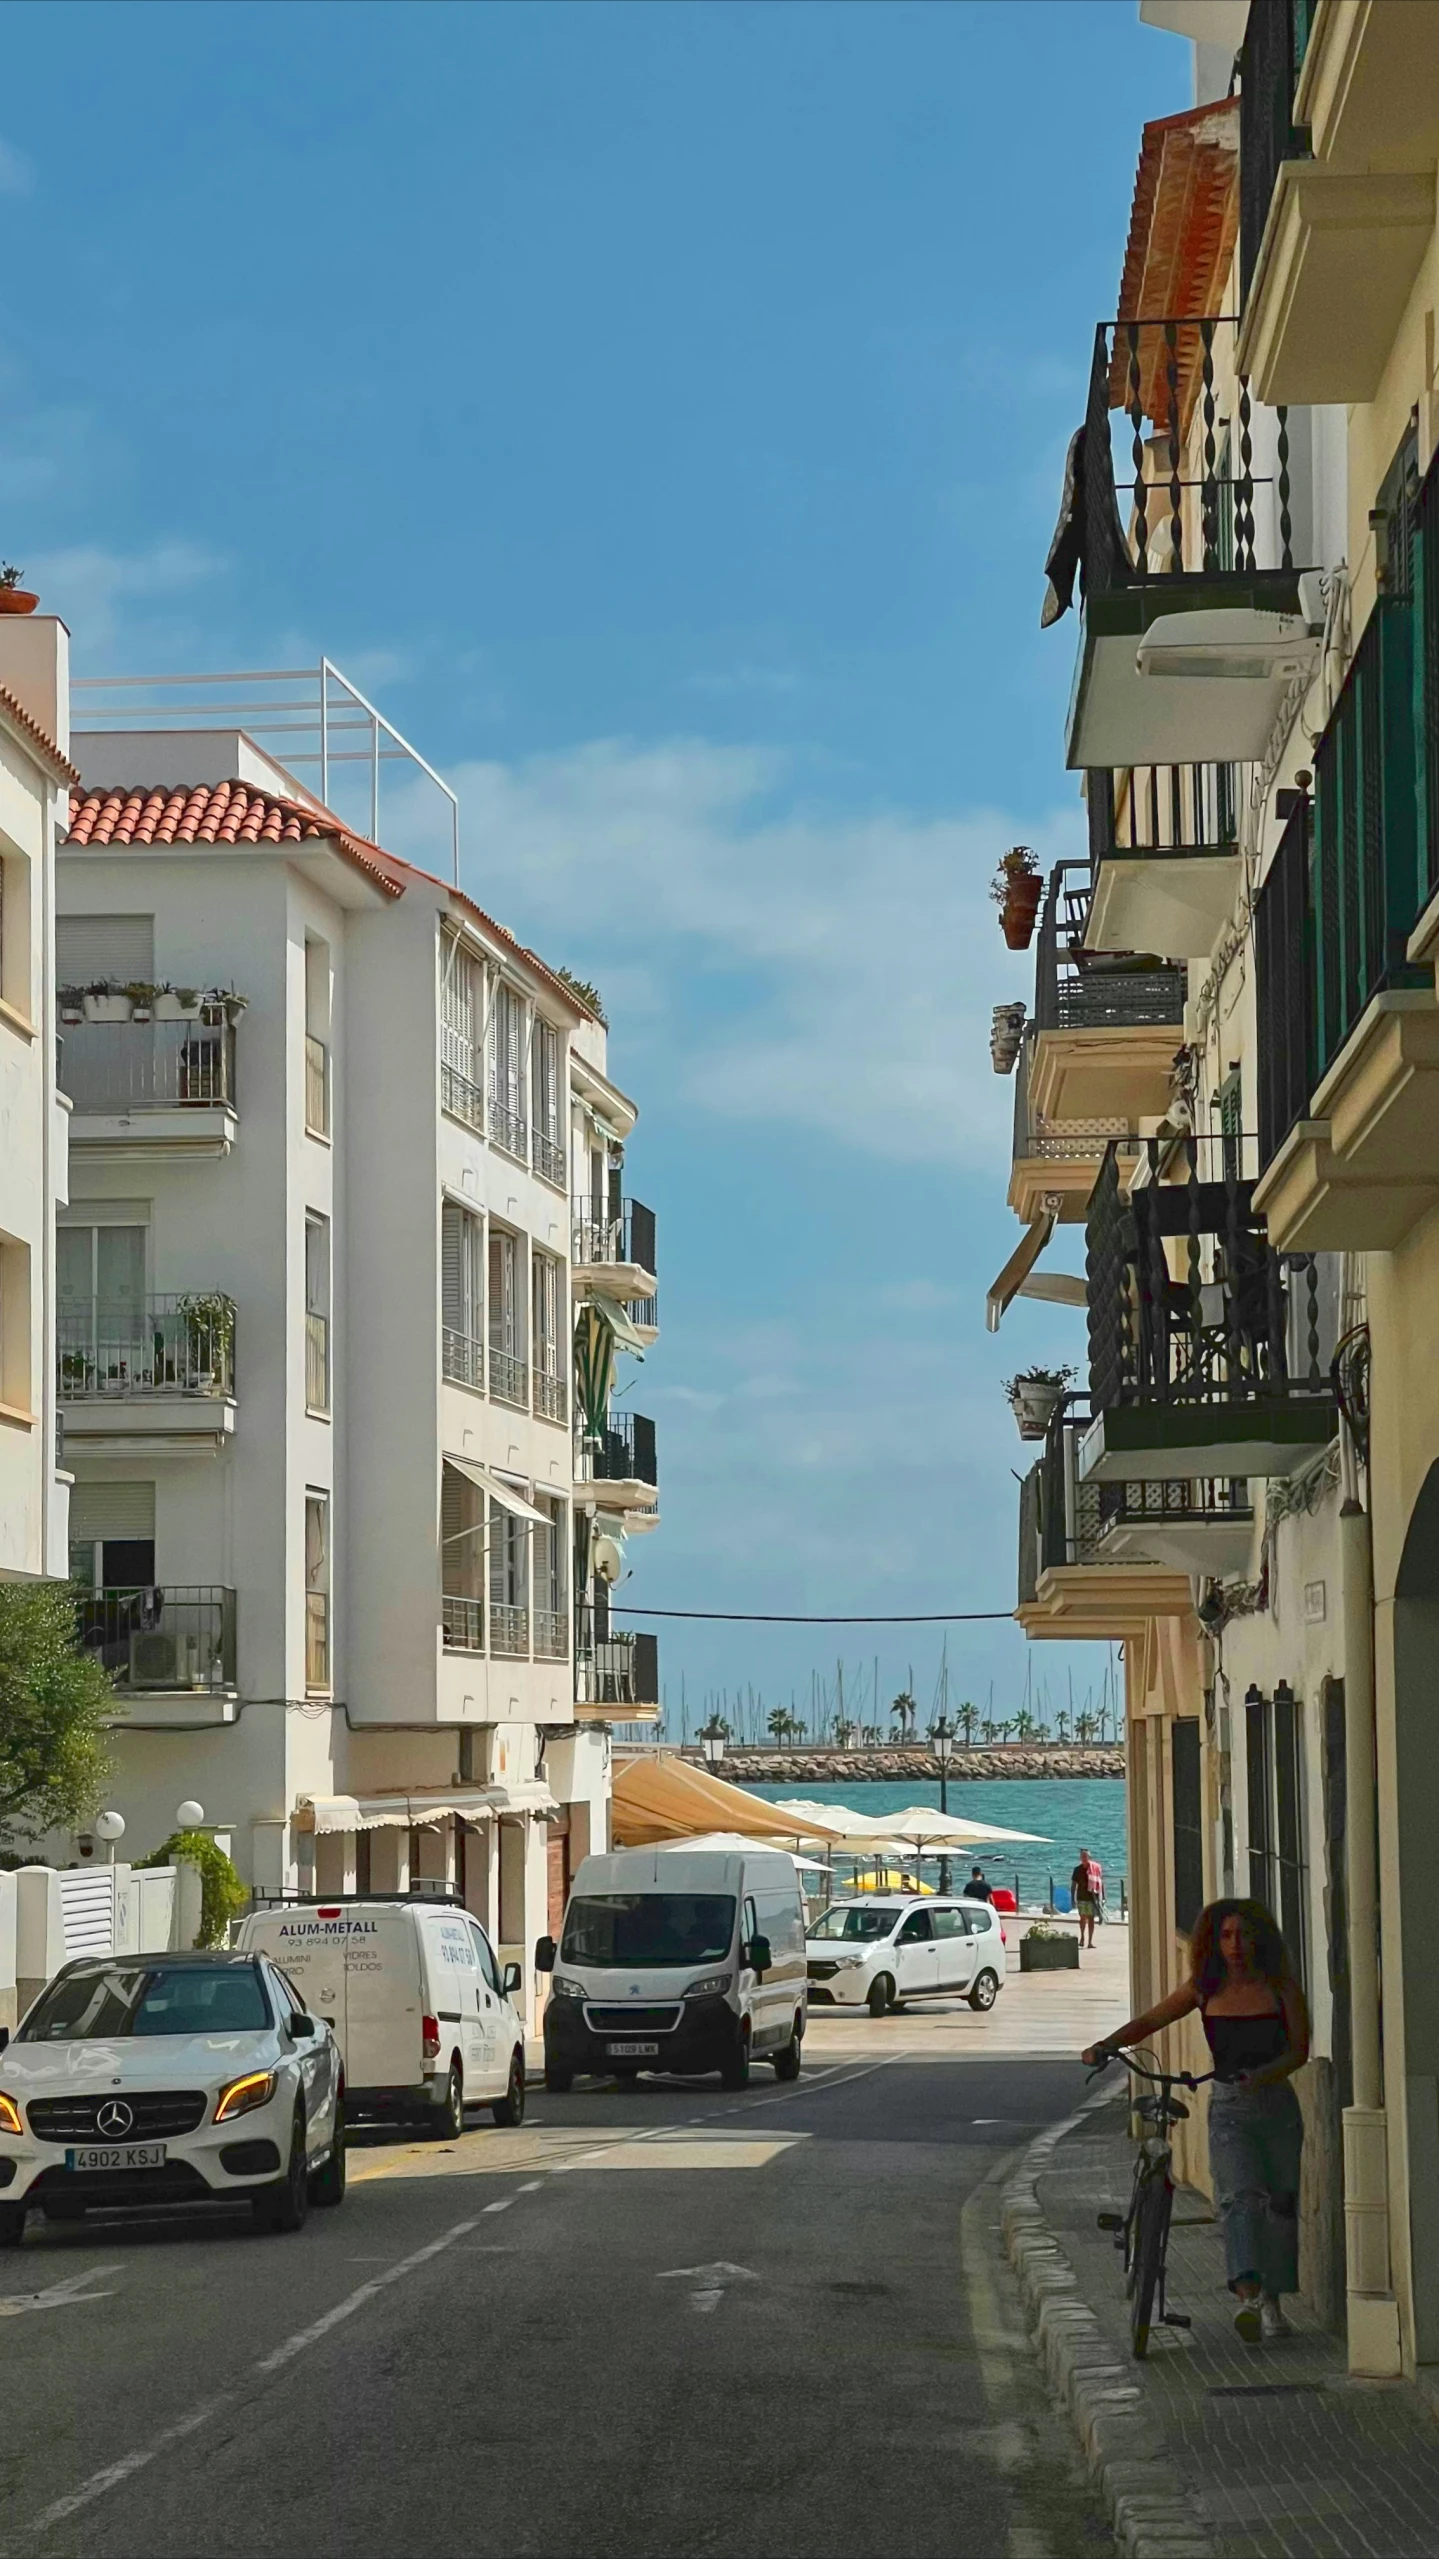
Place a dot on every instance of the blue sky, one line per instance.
(661, 409)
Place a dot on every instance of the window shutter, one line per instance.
(91, 947)
(98, 1511)
(452, 1257)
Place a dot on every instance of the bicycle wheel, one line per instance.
(1151, 2238)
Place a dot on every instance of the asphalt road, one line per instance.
(656, 2322)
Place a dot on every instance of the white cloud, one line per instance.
(98, 590)
(17, 176)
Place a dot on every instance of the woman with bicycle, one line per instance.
(1243, 1985)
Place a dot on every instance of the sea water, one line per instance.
(1067, 1813)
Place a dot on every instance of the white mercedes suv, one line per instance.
(169, 2079)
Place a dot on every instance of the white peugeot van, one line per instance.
(884, 1951)
(678, 1960)
(421, 2010)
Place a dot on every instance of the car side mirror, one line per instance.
(511, 1977)
(330, 2023)
(545, 1952)
(761, 1955)
(301, 2025)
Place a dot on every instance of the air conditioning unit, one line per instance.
(154, 1661)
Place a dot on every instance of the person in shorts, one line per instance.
(1087, 1886)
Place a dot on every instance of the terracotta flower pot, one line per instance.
(17, 599)
(1017, 925)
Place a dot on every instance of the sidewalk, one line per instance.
(1209, 2447)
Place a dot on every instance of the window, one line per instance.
(112, 1536)
(317, 1312)
(917, 1928)
(484, 1955)
(949, 1923)
(546, 1127)
(547, 1289)
(781, 1922)
(462, 1293)
(1188, 1814)
(552, 1615)
(462, 1016)
(103, 1335)
(507, 1072)
(462, 1562)
(509, 1583)
(509, 1373)
(15, 953)
(317, 1039)
(317, 1591)
(1274, 1766)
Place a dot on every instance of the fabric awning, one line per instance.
(498, 1491)
(325, 1814)
(1055, 1288)
(611, 1311)
(666, 1799)
(1006, 1288)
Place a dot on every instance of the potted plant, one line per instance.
(106, 1002)
(71, 1000)
(1035, 1395)
(1016, 890)
(14, 598)
(142, 1000)
(1043, 1949)
(1006, 1034)
(210, 1333)
(234, 1004)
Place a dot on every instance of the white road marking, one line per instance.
(356, 2300)
(503, 2204)
(116, 2472)
(714, 2280)
(58, 2296)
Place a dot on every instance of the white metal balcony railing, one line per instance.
(549, 1160)
(171, 1345)
(178, 1637)
(462, 1357)
(509, 1128)
(317, 1639)
(112, 1069)
(509, 1378)
(317, 1087)
(317, 1362)
(552, 1402)
(552, 1634)
(464, 1624)
(509, 1630)
(462, 1097)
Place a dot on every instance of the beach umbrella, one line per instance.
(920, 1826)
(731, 1843)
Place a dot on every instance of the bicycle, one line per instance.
(1143, 2232)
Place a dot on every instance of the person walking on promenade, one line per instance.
(1243, 1985)
(1086, 1885)
(977, 1888)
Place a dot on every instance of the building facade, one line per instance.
(332, 1134)
(1224, 1076)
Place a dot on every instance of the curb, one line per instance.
(1123, 2444)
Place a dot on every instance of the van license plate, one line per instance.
(137, 2154)
(632, 2052)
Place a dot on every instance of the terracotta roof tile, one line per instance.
(217, 813)
(1182, 229)
(37, 736)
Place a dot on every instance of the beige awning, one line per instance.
(1016, 1271)
(425, 1810)
(667, 1799)
(498, 1490)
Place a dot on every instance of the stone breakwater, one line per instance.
(857, 1767)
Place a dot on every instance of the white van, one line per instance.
(421, 2010)
(678, 1960)
(885, 1950)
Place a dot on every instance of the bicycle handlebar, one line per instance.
(1158, 2078)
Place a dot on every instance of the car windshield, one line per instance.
(648, 1928)
(857, 1919)
(148, 1999)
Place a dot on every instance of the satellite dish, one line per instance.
(608, 1562)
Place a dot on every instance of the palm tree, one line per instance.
(1026, 1725)
(907, 1711)
(965, 1716)
(781, 1723)
(844, 1732)
(989, 1730)
(1061, 1724)
(1086, 1725)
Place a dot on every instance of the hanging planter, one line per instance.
(1016, 889)
(15, 598)
(1035, 1396)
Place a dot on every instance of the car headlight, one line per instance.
(712, 1984)
(9, 2115)
(564, 1988)
(851, 1963)
(243, 2095)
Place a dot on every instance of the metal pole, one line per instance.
(325, 731)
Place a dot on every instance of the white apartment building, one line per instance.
(35, 775)
(316, 1328)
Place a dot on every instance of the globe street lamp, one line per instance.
(941, 1738)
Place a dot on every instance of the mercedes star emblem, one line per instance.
(115, 2118)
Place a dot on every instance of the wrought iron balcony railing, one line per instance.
(180, 1637)
(508, 1127)
(1067, 1520)
(612, 1668)
(509, 1377)
(172, 1345)
(461, 1095)
(548, 1158)
(614, 1231)
(1164, 809)
(462, 1357)
(625, 1455)
(1079, 990)
(1270, 62)
(551, 1394)
(112, 1069)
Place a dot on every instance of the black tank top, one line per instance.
(1245, 2043)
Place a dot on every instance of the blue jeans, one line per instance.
(1255, 2139)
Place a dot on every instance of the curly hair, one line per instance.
(1268, 1951)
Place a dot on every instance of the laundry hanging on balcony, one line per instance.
(602, 1327)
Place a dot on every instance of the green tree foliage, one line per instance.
(54, 1700)
(222, 1894)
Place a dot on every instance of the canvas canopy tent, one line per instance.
(655, 1800)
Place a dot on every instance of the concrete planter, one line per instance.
(1049, 1954)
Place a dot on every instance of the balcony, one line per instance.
(152, 1088)
(552, 1634)
(551, 1397)
(613, 1248)
(1106, 1024)
(463, 1623)
(462, 1357)
(156, 1365)
(508, 1128)
(1164, 850)
(1209, 1349)
(509, 1631)
(617, 1676)
(623, 1461)
(1347, 932)
(1187, 645)
(1339, 125)
(509, 1377)
(1055, 1163)
(547, 1158)
(151, 1640)
(1098, 1560)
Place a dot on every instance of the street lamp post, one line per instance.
(712, 1744)
(941, 1737)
